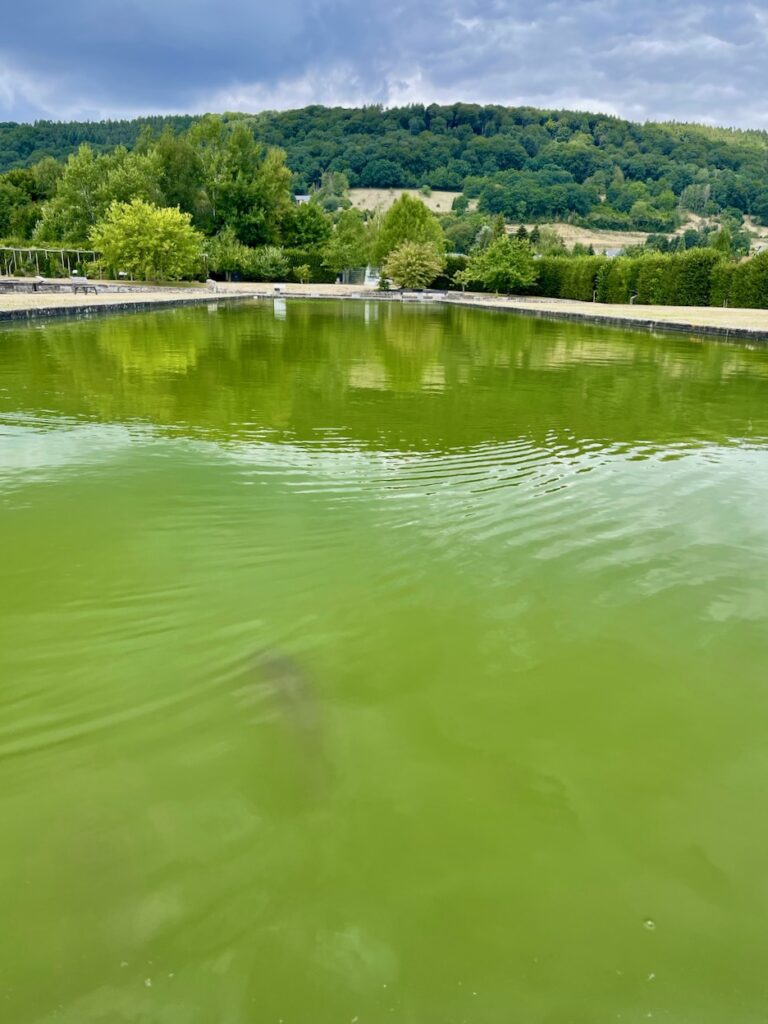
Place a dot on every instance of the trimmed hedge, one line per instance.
(748, 284)
(680, 279)
(699, 277)
(312, 258)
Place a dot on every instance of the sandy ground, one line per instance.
(16, 303)
(600, 240)
(705, 319)
(737, 323)
(382, 198)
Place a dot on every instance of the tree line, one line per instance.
(215, 199)
(525, 163)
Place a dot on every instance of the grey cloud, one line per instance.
(689, 61)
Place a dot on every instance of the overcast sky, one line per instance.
(641, 59)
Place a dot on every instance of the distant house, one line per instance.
(613, 251)
(301, 200)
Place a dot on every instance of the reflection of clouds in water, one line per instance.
(750, 603)
(357, 957)
(35, 448)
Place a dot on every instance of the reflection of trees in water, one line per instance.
(410, 377)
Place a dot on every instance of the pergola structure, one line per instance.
(12, 257)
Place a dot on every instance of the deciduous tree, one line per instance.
(349, 244)
(505, 265)
(407, 220)
(148, 242)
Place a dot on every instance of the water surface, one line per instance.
(373, 663)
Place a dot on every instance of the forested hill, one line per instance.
(519, 161)
(443, 146)
(22, 145)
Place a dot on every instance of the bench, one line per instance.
(42, 284)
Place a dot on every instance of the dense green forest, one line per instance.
(524, 163)
(22, 145)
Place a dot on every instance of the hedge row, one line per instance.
(318, 272)
(742, 284)
(700, 277)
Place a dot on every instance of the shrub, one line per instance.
(455, 262)
(268, 263)
(413, 264)
(318, 273)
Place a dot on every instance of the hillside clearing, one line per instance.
(382, 198)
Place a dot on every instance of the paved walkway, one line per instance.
(741, 324)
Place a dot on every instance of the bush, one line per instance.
(455, 262)
(319, 273)
(413, 264)
(268, 263)
(505, 265)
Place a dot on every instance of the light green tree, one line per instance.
(722, 241)
(74, 208)
(413, 264)
(505, 265)
(46, 174)
(407, 220)
(547, 241)
(128, 176)
(227, 255)
(148, 242)
(87, 186)
(349, 244)
(269, 263)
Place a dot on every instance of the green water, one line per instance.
(378, 663)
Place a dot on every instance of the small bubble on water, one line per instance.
(124, 963)
(651, 976)
(148, 982)
(649, 925)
